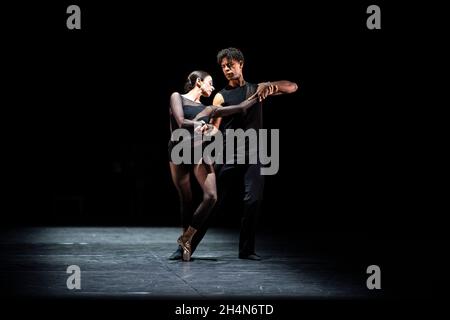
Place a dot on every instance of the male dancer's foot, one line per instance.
(251, 256)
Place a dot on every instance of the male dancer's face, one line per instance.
(232, 69)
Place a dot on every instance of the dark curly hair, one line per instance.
(230, 54)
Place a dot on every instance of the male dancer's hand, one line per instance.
(264, 90)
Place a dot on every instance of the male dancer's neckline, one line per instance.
(239, 85)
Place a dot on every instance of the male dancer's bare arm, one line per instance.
(218, 101)
(219, 111)
(275, 88)
(217, 105)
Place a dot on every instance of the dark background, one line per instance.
(90, 109)
(86, 116)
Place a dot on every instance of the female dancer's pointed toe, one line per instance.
(186, 246)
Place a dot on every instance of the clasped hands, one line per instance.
(264, 90)
(205, 129)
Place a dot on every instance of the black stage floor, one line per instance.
(130, 262)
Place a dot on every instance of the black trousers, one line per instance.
(228, 176)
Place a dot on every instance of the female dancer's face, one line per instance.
(207, 86)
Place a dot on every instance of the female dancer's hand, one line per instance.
(210, 130)
(201, 128)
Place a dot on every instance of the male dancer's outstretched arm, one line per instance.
(275, 88)
(264, 90)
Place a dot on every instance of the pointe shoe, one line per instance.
(177, 255)
(186, 246)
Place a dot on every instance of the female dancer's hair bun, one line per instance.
(192, 79)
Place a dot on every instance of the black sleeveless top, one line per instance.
(251, 119)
